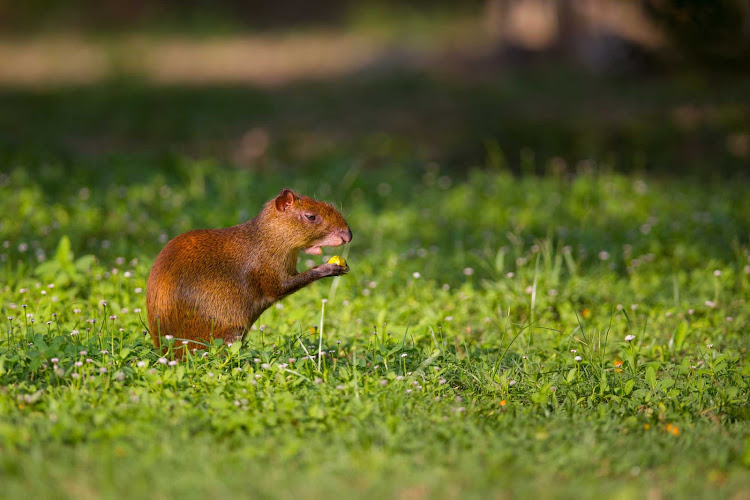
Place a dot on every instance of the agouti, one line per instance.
(214, 283)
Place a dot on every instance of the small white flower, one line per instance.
(574, 351)
(404, 355)
(137, 310)
(140, 364)
(709, 345)
(83, 353)
(173, 363)
(55, 360)
(168, 337)
(629, 338)
(78, 363)
(468, 271)
(711, 304)
(163, 361)
(512, 383)
(416, 275)
(717, 272)
(102, 369)
(578, 358)
(604, 255)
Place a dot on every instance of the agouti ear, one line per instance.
(285, 199)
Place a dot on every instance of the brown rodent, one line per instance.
(214, 283)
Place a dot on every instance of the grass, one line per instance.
(501, 334)
(479, 346)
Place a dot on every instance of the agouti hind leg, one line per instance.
(199, 335)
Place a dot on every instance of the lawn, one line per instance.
(577, 334)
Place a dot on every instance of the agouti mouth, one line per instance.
(318, 249)
(329, 241)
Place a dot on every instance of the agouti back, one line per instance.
(214, 283)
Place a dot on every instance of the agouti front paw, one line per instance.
(327, 269)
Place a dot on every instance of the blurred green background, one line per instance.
(534, 86)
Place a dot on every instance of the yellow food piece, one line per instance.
(340, 261)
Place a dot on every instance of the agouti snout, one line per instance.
(214, 283)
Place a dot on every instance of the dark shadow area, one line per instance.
(532, 86)
(534, 120)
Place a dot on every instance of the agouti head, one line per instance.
(308, 224)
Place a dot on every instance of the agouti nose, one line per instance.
(346, 235)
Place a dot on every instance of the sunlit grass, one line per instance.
(495, 335)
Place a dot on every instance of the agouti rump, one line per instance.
(214, 283)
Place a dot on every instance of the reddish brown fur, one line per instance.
(214, 283)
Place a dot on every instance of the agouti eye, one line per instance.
(310, 217)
